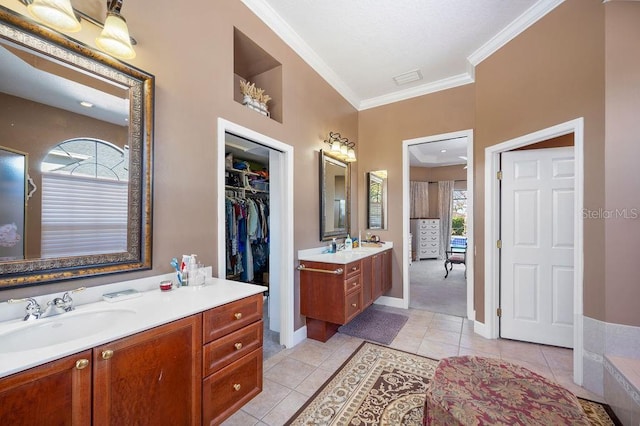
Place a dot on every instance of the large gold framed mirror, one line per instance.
(85, 122)
(335, 197)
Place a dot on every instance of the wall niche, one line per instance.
(253, 64)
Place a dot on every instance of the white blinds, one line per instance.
(82, 216)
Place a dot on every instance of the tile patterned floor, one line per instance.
(293, 375)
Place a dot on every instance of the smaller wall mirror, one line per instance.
(335, 197)
(377, 199)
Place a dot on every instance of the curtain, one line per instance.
(445, 207)
(419, 199)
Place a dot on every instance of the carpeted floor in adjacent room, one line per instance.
(429, 290)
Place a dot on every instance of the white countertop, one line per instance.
(342, 257)
(152, 309)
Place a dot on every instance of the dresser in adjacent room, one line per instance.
(426, 238)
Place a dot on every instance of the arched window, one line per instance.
(84, 199)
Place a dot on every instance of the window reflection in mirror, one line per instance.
(377, 199)
(334, 197)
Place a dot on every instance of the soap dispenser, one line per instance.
(334, 246)
(348, 243)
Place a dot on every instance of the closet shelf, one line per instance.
(254, 190)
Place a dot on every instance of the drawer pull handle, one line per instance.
(237, 315)
(238, 346)
(302, 267)
(107, 354)
(354, 285)
(236, 387)
(355, 268)
(82, 364)
(355, 305)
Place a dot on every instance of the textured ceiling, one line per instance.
(359, 46)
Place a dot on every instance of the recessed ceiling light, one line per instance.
(443, 150)
(86, 104)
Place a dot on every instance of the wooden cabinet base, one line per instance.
(320, 330)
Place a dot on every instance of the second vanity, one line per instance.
(188, 356)
(336, 287)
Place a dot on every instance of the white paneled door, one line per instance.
(536, 259)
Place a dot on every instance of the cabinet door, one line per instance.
(376, 260)
(386, 270)
(367, 282)
(56, 393)
(322, 295)
(151, 378)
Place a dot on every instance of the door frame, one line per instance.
(490, 328)
(406, 196)
(283, 244)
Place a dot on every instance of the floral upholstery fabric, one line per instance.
(470, 390)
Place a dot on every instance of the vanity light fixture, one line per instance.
(341, 147)
(115, 39)
(60, 15)
(57, 14)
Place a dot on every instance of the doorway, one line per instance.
(281, 306)
(439, 262)
(490, 327)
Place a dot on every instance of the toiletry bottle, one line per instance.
(334, 246)
(348, 243)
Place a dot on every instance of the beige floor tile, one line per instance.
(273, 360)
(272, 393)
(311, 352)
(419, 313)
(406, 343)
(285, 409)
(313, 382)
(336, 359)
(445, 325)
(445, 317)
(442, 336)
(338, 340)
(240, 418)
(474, 352)
(558, 359)
(467, 327)
(289, 372)
(566, 380)
(413, 331)
(437, 350)
(478, 343)
(542, 370)
(531, 355)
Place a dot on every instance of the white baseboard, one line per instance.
(481, 329)
(299, 335)
(394, 302)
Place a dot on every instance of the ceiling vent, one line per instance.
(407, 77)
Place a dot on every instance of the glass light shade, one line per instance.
(335, 146)
(57, 14)
(344, 150)
(351, 155)
(115, 39)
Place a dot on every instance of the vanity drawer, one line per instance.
(353, 284)
(352, 269)
(225, 391)
(230, 348)
(225, 319)
(353, 305)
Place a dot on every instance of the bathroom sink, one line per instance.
(61, 328)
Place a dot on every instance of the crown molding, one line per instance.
(283, 30)
(413, 92)
(515, 28)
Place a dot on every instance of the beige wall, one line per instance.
(622, 160)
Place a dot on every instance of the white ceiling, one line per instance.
(439, 153)
(359, 46)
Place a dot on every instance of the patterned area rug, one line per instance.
(384, 386)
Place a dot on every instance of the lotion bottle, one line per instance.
(348, 243)
(334, 246)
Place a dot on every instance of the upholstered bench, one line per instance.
(470, 390)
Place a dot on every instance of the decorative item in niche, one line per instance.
(254, 97)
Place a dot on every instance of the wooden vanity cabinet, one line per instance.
(152, 378)
(56, 393)
(232, 357)
(387, 267)
(330, 299)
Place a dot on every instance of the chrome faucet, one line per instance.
(33, 310)
(57, 306)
